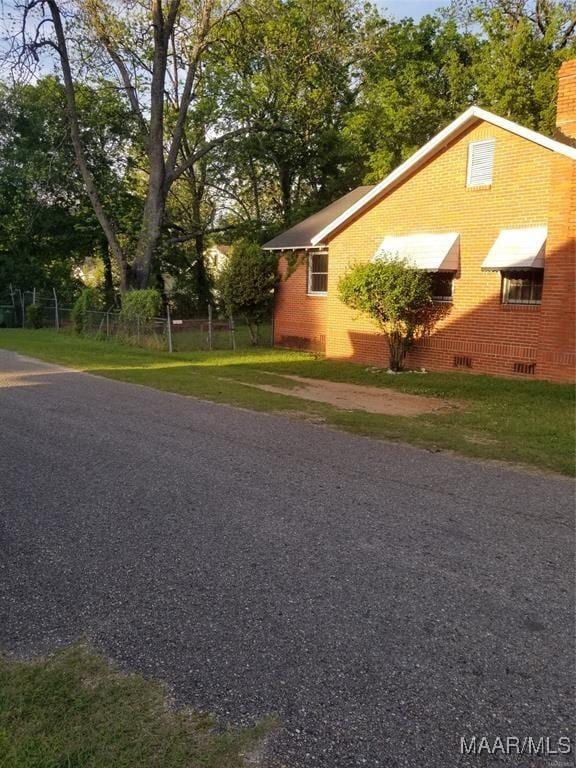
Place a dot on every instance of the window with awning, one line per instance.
(427, 251)
(517, 249)
(522, 286)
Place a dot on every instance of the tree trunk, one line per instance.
(157, 188)
(201, 274)
(109, 295)
(196, 180)
(397, 351)
(285, 178)
(150, 232)
(255, 193)
(253, 329)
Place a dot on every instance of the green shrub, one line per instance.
(34, 316)
(144, 304)
(89, 301)
(247, 284)
(394, 294)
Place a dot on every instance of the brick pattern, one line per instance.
(566, 102)
(532, 186)
(299, 319)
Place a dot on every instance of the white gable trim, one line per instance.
(440, 140)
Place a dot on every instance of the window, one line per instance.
(480, 163)
(318, 273)
(522, 287)
(442, 286)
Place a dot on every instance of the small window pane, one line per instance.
(319, 283)
(522, 287)
(442, 286)
(320, 262)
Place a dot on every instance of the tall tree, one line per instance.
(155, 49)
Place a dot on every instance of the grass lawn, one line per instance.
(74, 710)
(525, 422)
(197, 339)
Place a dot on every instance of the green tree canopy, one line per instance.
(47, 227)
(247, 284)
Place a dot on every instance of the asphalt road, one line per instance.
(382, 600)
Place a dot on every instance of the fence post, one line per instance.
(232, 332)
(169, 327)
(210, 326)
(56, 318)
(23, 307)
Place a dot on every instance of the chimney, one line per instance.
(566, 103)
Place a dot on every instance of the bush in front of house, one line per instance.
(246, 285)
(394, 294)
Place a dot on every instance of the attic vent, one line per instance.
(480, 163)
(528, 368)
(461, 361)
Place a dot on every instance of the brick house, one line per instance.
(489, 208)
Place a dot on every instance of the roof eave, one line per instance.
(308, 247)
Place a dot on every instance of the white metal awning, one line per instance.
(431, 252)
(517, 249)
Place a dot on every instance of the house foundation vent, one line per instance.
(529, 369)
(462, 361)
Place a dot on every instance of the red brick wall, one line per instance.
(299, 319)
(557, 342)
(531, 186)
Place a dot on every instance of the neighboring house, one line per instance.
(217, 257)
(489, 208)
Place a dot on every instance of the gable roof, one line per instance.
(300, 235)
(456, 127)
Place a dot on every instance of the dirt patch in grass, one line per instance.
(358, 397)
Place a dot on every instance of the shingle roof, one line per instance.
(299, 236)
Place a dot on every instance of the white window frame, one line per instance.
(469, 181)
(310, 292)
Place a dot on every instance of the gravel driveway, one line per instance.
(382, 600)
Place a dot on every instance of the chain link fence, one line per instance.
(15, 302)
(173, 334)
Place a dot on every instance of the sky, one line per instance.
(414, 8)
